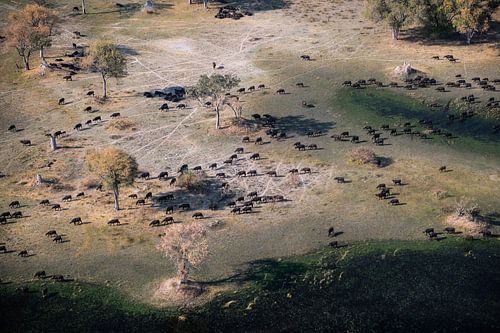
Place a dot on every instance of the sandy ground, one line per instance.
(174, 47)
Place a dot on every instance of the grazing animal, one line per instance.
(231, 204)
(133, 196)
(213, 166)
(394, 202)
(306, 170)
(255, 156)
(154, 223)
(57, 239)
(168, 220)
(66, 198)
(334, 244)
(442, 168)
(90, 93)
(78, 127)
(197, 168)
(181, 106)
(198, 215)
(241, 173)
(163, 175)
(23, 253)
(26, 142)
(305, 57)
(258, 141)
(140, 202)
(56, 207)
(236, 210)
(272, 174)
(15, 204)
(144, 175)
(148, 195)
(76, 220)
(51, 233)
(220, 175)
(3, 220)
(80, 195)
(185, 206)
(163, 107)
(239, 150)
(449, 230)
(88, 122)
(280, 91)
(252, 173)
(12, 128)
(170, 210)
(114, 222)
(397, 182)
(381, 186)
(97, 119)
(58, 278)
(40, 275)
(293, 171)
(5, 214)
(68, 78)
(246, 209)
(230, 161)
(61, 101)
(331, 232)
(340, 180)
(245, 139)
(17, 215)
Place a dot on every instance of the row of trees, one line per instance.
(30, 30)
(440, 18)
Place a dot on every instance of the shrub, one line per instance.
(193, 181)
(362, 156)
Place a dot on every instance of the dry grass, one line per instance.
(362, 156)
(121, 125)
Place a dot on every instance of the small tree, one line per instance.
(214, 87)
(472, 16)
(395, 13)
(105, 58)
(187, 245)
(29, 30)
(113, 167)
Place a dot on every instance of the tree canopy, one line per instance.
(113, 167)
(395, 13)
(215, 87)
(30, 30)
(105, 58)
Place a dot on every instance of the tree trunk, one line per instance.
(26, 62)
(205, 4)
(84, 11)
(395, 33)
(104, 87)
(183, 270)
(41, 54)
(115, 195)
(217, 117)
(469, 36)
(53, 142)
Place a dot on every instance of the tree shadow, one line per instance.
(208, 193)
(254, 5)
(420, 35)
(302, 125)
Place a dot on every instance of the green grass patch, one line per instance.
(383, 106)
(445, 286)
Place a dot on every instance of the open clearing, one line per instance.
(174, 47)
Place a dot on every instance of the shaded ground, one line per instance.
(376, 287)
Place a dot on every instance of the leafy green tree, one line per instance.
(214, 87)
(472, 16)
(113, 167)
(395, 13)
(105, 58)
(435, 17)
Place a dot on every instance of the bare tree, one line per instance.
(187, 245)
(84, 10)
(53, 141)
